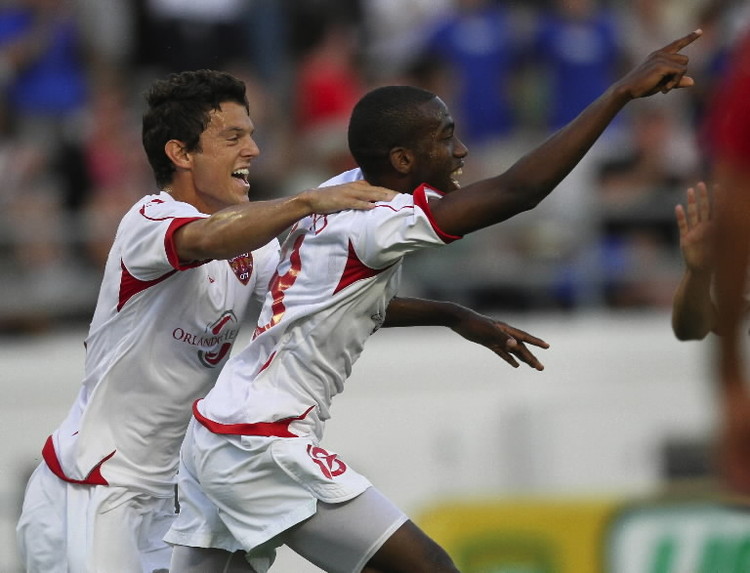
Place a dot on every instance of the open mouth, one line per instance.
(242, 175)
(454, 177)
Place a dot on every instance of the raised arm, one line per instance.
(536, 174)
(242, 228)
(507, 342)
(693, 310)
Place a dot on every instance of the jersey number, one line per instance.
(279, 284)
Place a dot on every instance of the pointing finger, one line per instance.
(677, 45)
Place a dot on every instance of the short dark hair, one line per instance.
(179, 108)
(385, 118)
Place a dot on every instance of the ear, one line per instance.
(176, 152)
(402, 159)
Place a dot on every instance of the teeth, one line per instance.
(455, 175)
(244, 172)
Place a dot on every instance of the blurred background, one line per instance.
(622, 408)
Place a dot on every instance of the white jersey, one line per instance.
(159, 336)
(330, 292)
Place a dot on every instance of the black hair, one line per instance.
(385, 118)
(179, 108)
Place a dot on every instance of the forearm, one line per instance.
(540, 171)
(693, 310)
(532, 177)
(420, 312)
(732, 241)
(239, 229)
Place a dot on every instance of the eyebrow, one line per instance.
(236, 129)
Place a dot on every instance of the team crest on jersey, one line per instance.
(330, 464)
(242, 266)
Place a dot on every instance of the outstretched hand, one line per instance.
(662, 71)
(508, 342)
(358, 195)
(696, 226)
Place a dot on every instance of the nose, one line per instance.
(460, 150)
(250, 148)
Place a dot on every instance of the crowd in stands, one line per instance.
(72, 74)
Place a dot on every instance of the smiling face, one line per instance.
(219, 167)
(439, 155)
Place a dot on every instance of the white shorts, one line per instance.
(70, 528)
(249, 493)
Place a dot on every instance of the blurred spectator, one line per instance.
(394, 33)
(478, 41)
(45, 83)
(645, 25)
(268, 43)
(328, 83)
(188, 34)
(578, 44)
(110, 30)
(636, 190)
(657, 159)
(116, 165)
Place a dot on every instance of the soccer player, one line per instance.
(253, 473)
(185, 264)
(727, 129)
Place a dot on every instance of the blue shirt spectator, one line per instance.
(477, 42)
(47, 76)
(581, 53)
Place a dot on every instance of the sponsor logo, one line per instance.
(215, 342)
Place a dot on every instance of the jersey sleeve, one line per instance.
(148, 249)
(383, 235)
(727, 122)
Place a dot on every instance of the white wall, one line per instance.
(428, 415)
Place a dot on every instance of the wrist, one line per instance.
(620, 94)
(303, 203)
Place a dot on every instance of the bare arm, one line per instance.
(732, 259)
(732, 241)
(536, 174)
(693, 310)
(507, 342)
(243, 228)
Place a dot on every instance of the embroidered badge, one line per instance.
(242, 266)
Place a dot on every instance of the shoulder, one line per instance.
(345, 177)
(163, 206)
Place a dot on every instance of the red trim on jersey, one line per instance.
(420, 200)
(170, 247)
(95, 475)
(143, 208)
(268, 362)
(355, 270)
(278, 429)
(131, 286)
